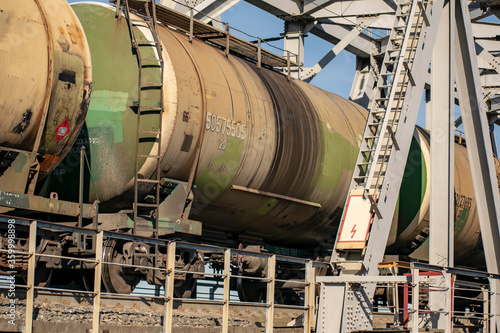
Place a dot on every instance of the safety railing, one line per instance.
(223, 276)
(447, 298)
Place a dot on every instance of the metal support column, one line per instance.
(97, 281)
(478, 147)
(309, 298)
(442, 189)
(169, 289)
(30, 292)
(294, 43)
(271, 273)
(415, 299)
(227, 284)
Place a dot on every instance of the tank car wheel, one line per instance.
(43, 276)
(115, 278)
(288, 297)
(251, 290)
(85, 280)
(185, 288)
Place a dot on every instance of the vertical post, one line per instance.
(271, 276)
(30, 291)
(288, 74)
(309, 297)
(442, 189)
(80, 196)
(479, 148)
(191, 23)
(227, 40)
(406, 298)
(227, 280)
(169, 289)
(95, 222)
(396, 304)
(415, 299)
(486, 309)
(259, 54)
(448, 316)
(117, 12)
(99, 239)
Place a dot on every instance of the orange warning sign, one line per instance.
(48, 162)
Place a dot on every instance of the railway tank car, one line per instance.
(276, 155)
(44, 88)
(270, 158)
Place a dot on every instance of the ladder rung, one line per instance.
(147, 43)
(149, 156)
(145, 83)
(152, 59)
(149, 132)
(140, 204)
(148, 181)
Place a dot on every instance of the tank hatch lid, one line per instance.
(169, 17)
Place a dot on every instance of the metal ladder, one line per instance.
(386, 106)
(379, 142)
(149, 202)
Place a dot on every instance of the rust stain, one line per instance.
(74, 34)
(24, 123)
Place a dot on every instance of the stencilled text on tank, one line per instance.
(225, 126)
(462, 201)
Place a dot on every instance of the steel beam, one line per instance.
(333, 33)
(478, 146)
(363, 83)
(442, 128)
(339, 47)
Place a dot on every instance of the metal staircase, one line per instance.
(380, 144)
(385, 109)
(150, 202)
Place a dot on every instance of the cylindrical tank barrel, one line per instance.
(410, 229)
(46, 78)
(277, 154)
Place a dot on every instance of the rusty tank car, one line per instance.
(44, 87)
(256, 159)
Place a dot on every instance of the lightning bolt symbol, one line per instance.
(353, 231)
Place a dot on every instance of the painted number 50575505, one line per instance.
(225, 126)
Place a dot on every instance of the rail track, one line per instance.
(60, 308)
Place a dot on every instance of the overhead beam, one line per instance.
(312, 6)
(341, 45)
(213, 9)
(360, 46)
(279, 8)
